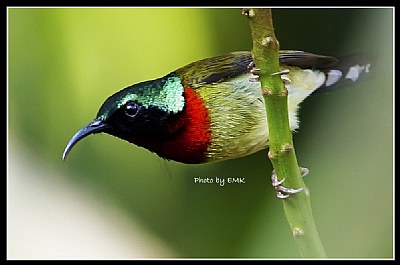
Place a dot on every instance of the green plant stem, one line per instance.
(281, 150)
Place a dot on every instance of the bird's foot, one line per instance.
(256, 71)
(281, 191)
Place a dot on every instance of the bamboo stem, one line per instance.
(281, 150)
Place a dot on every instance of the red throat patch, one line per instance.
(191, 144)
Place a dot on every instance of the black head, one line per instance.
(140, 111)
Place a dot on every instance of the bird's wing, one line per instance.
(216, 69)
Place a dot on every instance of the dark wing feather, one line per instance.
(306, 60)
(215, 69)
(219, 68)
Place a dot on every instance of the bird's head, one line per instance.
(146, 114)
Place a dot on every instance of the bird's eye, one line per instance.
(131, 109)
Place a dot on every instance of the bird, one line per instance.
(213, 109)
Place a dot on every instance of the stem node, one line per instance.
(297, 232)
(286, 148)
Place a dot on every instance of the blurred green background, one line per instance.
(64, 62)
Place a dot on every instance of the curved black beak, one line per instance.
(95, 126)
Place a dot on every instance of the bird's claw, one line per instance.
(281, 191)
(286, 80)
(251, 65)
(304, 171)
(256, 78)
(282, 72)
(255, 71)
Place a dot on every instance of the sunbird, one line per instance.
(212, 109)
